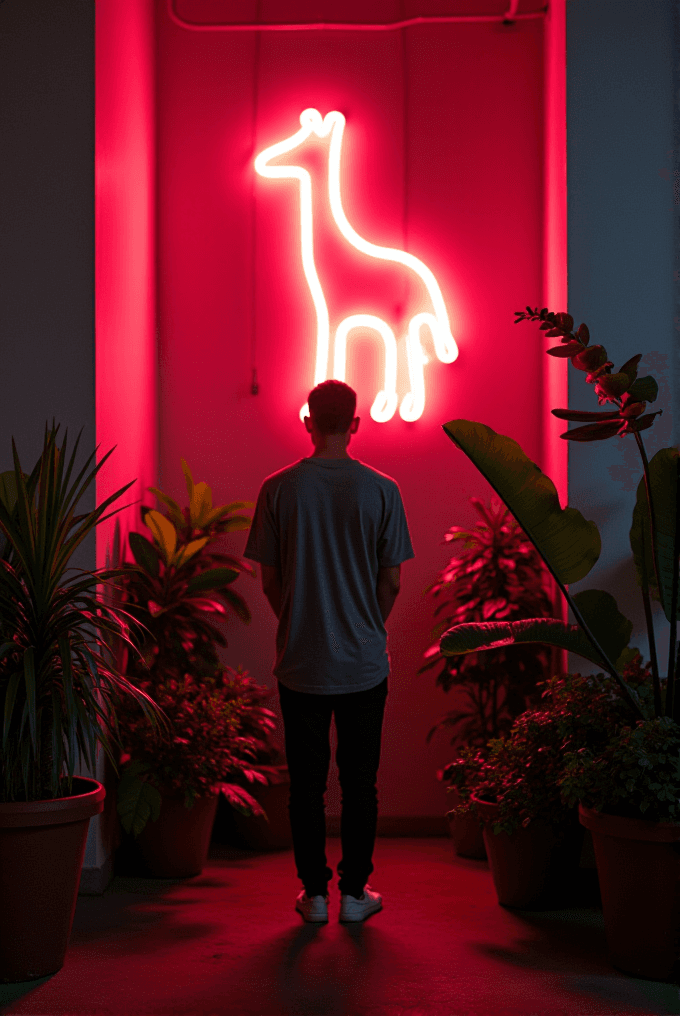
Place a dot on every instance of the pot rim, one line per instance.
(620, 827)
(55, 810)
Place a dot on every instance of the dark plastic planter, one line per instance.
(176, 845)
(42, 845)
(638, 865)
(532, 868)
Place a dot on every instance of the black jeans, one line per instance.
(307, 722)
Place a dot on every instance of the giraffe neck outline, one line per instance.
(445, 347)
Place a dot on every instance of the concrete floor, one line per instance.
(229, 943)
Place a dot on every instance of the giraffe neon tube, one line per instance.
(445, 347)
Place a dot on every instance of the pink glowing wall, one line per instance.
(126, 401)
(444, 157)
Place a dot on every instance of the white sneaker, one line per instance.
(353, 910)
(313, 908)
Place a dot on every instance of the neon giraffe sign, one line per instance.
(437, 320)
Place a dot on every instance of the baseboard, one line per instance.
(399, 825)
(94, 880)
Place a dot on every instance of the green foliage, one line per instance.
(604, 619)
(599, 609)
(523, 772)
(138, 800)
(179, 585)
(663, 480)
(496, 573)
(637, 774)
(57, 676)
(220, 731)
(568, 543)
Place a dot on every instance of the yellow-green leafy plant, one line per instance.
(179, 583)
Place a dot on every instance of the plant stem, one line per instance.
(658, 711)
(656, 683)
(650, 507)
(671, 678)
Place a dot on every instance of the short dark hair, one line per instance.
(332, 406)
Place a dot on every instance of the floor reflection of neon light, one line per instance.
(437, 321)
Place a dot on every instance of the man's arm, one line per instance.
(271, 586)
(387, 588)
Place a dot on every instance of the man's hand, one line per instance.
(387, 588)
(271, 587)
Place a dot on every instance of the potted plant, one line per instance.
(57, 684)
(219, 741)
(176, 586)
(496, 573)
(532, 834)
(570, 546)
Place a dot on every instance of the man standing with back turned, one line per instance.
(330, 535)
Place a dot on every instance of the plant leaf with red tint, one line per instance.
(594, 431)
(569, 349)
(583, 417)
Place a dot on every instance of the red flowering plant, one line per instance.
(524, 771)
(178, 585)
(570, 545)
(495, 574)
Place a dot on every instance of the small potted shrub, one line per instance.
(219, 741)
(177, 585)
(495, 574)
(532, 835)
(629, 794)
(570, 546)
(58, 683)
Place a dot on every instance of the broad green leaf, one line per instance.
(144, 553)
(172, 506)
(474, 637)
(188, 551)
(200, 505)
(164, 533)
(214, 578)
(644, 389)
(237, 603)
(138, 801)
(569, 544)
(602, 615)
(663, 478)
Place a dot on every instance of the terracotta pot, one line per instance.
(42, 845)
(532, 868)
(176, 845)
(466, 832)
(638, 864)
(276, 833)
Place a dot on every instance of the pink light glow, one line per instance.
(445, 348)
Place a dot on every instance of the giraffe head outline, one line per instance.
(385, 403)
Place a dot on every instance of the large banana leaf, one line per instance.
(663, 480)
(474, 637)
(604, 619)
(569, 544)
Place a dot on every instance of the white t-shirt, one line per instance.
(329, 524)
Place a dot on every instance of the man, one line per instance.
(330, 535)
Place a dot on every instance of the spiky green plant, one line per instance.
(57, 676)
